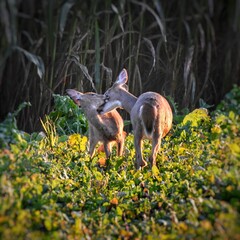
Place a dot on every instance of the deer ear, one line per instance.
(122, 77)
(125, 86)
(74, 95)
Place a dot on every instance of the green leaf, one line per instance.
(119, 211)
(235, 148)
(48, 223)
(232, 115)
(36, 60)
(196, 116)
(156, 173)
(64, 13)
(98, 175)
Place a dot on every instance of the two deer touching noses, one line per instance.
(106, 128)
(151, 117)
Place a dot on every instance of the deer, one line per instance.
(150, 114)
(106, 128)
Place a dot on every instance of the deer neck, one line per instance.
(93, 117)
(128, 100)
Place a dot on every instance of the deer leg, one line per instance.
(140, 163)
(92, 142)
(92, 148)
(107, 149)
(156, 142)
(120, 145)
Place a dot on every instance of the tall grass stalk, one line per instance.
(188, 50)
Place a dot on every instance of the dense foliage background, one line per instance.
(185, 49)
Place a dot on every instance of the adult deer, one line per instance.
(150, 113)
(106, 128)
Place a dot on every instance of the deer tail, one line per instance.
(148, 115)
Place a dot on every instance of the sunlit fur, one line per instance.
(106, 128)
(150, 113)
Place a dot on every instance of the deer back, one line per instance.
(153, 113)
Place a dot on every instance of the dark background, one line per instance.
(187, 50)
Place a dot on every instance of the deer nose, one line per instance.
(106, 98)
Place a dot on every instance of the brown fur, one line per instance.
(150, 113)
(106, 128)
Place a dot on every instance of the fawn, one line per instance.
(151, 116)
(106, 128)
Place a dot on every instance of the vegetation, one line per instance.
(189, 50)
(51, 189)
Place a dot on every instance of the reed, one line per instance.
(188, 50)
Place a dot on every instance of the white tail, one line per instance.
(106, 128)
(150, 113)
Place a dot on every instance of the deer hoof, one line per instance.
(140, 166)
